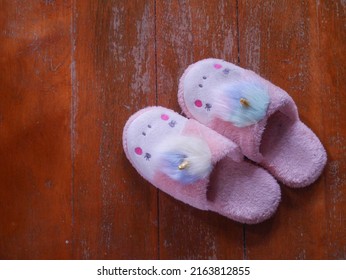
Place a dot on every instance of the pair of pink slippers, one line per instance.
(232, 113)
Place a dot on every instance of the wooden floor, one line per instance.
(73, 71)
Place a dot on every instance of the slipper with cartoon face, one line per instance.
(260, 117)
(198, 166)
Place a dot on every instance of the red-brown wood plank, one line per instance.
(299, 46)
(115, 210)
(35, 158)
(186, 32)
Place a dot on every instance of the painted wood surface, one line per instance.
(73, 71)
(35, 142)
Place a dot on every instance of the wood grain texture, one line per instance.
(201, 29)
(115, 210)
(299, 46)
(72, 72)
(35, 155)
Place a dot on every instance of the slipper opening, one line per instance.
(291, 151)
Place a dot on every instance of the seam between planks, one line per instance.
(238, 37)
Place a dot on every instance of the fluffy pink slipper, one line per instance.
(198, 166)
(260, 117)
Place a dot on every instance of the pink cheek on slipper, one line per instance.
(217, 66)
(198, 103)
(138, 151)
(164, 117)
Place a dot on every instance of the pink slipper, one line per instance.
(260, 117)
(198, 166)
